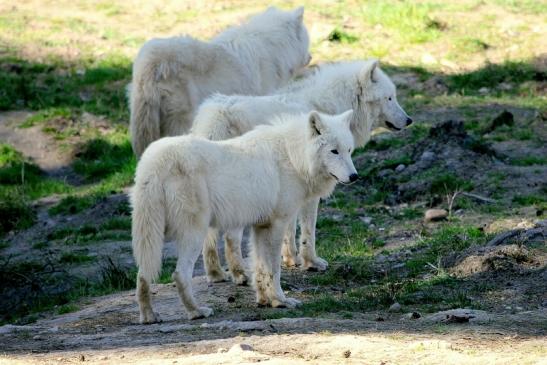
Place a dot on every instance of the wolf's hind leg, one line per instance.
(289, 251)
(189, 245)
(211, 261)
(147, 314)
(232, 241)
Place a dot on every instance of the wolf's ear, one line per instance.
(347, 117)
(368, 72)
(298, 14)
(316, 124)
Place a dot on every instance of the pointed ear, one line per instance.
(315, 124)
(298, 14)
(368, 71)
(347, 116)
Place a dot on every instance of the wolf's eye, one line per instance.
(334, 151)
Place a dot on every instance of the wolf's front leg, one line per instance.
(234, 258)
(289, 251)
(308, 219)
(211, 261)
(266, 243)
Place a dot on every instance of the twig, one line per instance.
(478, 197)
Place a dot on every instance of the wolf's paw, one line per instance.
(286, 303)
(240, 278)
(201, 312)
(217, 277)
(292, 261)
(149, 317)
(315, 264)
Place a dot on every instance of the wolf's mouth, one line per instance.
(391, 126)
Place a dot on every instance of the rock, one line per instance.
(413, 315)
(433, 215)
(504, 118)
(460, 315)
(231, 299)
(427, 156)
(379, 319)
(346, 354)
(484, 90)
(400, 168)
(394, 308)
(240, 347)
(366, 220)
(385, 172)
(81, 357)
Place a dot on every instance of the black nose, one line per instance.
(353, 177)
(408, 121)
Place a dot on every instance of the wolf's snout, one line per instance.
(408, 121)
(353, 177)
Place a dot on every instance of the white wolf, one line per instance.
(332, 88)
(185, 184)
(172, 76)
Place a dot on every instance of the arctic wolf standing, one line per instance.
(185, 184)
(333, 88)
(171, 76)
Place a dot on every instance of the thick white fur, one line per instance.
(186, 184)
(171, 76)
(331, 89)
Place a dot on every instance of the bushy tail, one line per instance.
(148, 227)
(144, 124)
(160, 71)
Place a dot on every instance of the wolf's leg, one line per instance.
(308, 219)
(289, 251)
(189, 246)
(211, 261)
(232, 241)
(147, 315)
(267, 240)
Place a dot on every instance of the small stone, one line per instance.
(385, 172)
(366, 220)
(394, 308)
(37, 338)
(347, 354)
(81, 357)
(428, 59)
(432, 215)
(427, 156)
(400, 168)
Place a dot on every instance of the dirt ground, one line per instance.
(106, 330)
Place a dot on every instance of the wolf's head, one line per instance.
(332, 143)
(381, 97)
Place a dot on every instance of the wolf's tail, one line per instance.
(148, 227)
(161, 67)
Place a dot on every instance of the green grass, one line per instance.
(338, 35)
(100, 158)
(75, 258)
(41, 86)
(528, 161)
(409, 21)
(493, 74)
